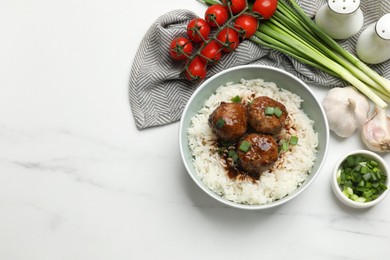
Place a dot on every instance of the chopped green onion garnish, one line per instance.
(350, 161)
(348, 191)
(220, 123)
(360, 199)
(354, 197)
(360, 179)
(374, 163)
(232, 154)
(278, 112)
(283, 146)
(236, 99)
(269, 111)
(367, 176)
(244, 146)
(294, 140)
(226, 143)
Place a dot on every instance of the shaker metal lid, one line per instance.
(382, 27)
(344, 6)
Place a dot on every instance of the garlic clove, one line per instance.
(346, 110)
(376, 131)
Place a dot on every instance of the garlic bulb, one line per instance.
(376, 131)
(346, 110)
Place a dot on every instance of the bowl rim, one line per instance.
(247, 206)
(336, 188)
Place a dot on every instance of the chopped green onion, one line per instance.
(220, 123)
(360, 179)
(244, 146)
(360, 199)
(358, 168)
(373, 163)
(278, 112)
(367, 176)
(226, 143)
(236, 99)
(283, 146)
(348, 191)
(354, 197)
(232, 154)
(294, 140)
(269, 111)
(350, 160)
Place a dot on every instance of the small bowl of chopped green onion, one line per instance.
(360, 179)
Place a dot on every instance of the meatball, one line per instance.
(261, 120)
(229, 121)
(257, 152)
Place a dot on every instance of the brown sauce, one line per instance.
(233, 168)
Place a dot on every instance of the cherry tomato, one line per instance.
(180, 48)
(198, 30)
(246, 24)
(216, 15)
(196, 69)
(229, 38)
(266, 8)
(211, 52)
(235, 5)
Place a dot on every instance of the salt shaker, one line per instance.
(340, 19)
(373, 45)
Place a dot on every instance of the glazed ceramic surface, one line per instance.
(373, 44)
(283, 80)
(337, 190)
(340, 19)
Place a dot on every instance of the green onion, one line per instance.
(269, 111)
(244, 146)
(292, 32)
(294, 140)
(220, 123)
(364, 169)
(226, 143)
(373, 163)
(350, 160)
(360, 179)
(283, 146)
(232, 154)
(348, 191)
(359, 199)
(236, 99)
(367, 176)
(278, 112)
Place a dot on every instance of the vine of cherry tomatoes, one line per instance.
(224, 26)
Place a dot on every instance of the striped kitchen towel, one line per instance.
(158, 93)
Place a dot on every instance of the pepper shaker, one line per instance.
(340, 19)
(373, 45)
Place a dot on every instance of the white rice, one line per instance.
(292, 167)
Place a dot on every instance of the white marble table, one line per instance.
(79, 181)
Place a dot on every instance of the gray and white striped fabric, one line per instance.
(158, 93)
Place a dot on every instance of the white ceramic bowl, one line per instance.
(283, 79)
(337, 190)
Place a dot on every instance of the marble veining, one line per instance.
(78, 181)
